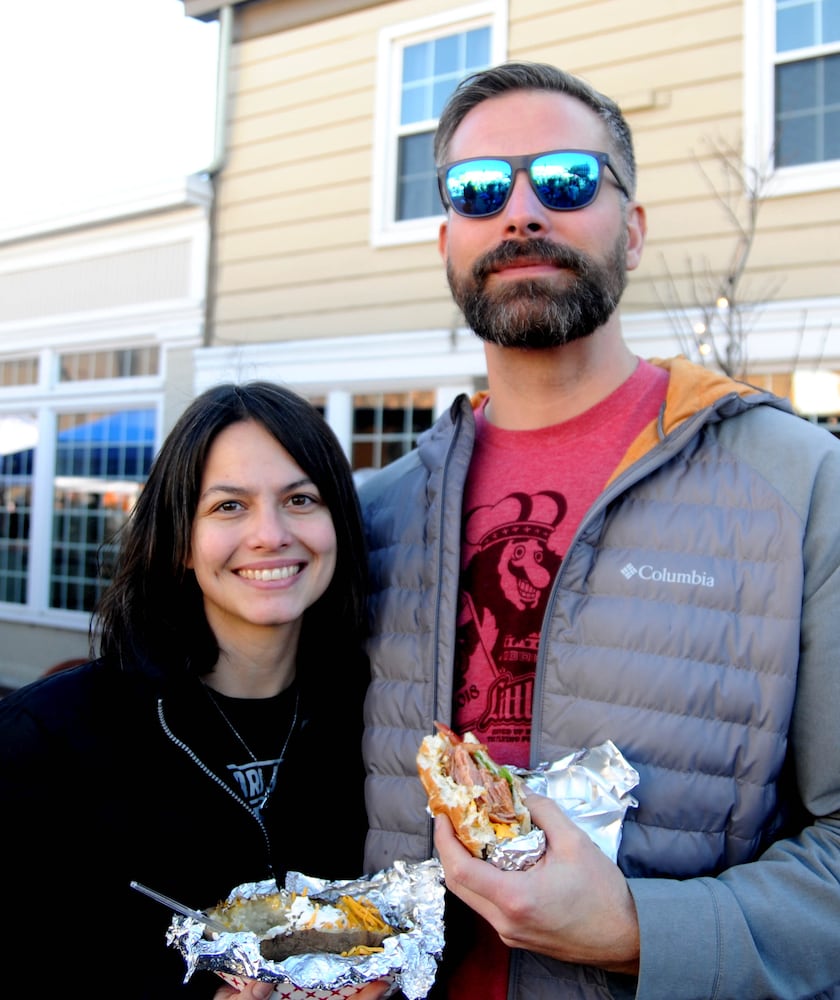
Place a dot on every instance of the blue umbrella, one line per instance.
(117, 445)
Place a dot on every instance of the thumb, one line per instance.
(262, 991)
(546, 813)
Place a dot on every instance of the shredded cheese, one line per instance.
(362, 913)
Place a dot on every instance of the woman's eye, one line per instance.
(303, 500)
(227, 506)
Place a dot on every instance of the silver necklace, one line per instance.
(258, 808)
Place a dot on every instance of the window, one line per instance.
(80, 366)
(19, 371)
(430, 72)
(15, 503)
(70, 473)
(101, 462)
(807, 101)
(420, 65)
(793, 83)
(387, 425)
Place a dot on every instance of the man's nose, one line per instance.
(524, 210)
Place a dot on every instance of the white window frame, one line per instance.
(759, 107)
(48, 399)
(385, 229)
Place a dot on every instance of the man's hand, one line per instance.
(573, 905)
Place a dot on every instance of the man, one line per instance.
(601, 548)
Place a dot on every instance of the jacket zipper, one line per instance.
(215, 777)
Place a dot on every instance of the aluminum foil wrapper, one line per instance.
(409, 896)
(591, 786)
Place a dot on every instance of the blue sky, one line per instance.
(100, 98)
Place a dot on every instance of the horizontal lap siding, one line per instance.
(302, 291)
(308, 267)
(294, 254)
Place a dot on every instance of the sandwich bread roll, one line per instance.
(483, 800)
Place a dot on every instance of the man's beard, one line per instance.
(534, 312)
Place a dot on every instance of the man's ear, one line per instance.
(636, 233)
(443, 237)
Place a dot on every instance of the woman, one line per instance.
(188, 755)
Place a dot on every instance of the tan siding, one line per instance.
(373, 318)
(310, 164)
(614, 38)
(299, 289)
(262, 109)
(292, 144)
(683, 220)
(338, 294)
(308, 266)
(295, 256)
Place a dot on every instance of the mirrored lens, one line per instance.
(478, 187)
(565, 180)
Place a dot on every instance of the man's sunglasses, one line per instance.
(563, 180)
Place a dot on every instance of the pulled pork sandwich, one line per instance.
(483, 800)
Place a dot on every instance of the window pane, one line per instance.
(391, 430)
(416, 180)
(414, 105)
(831, 21)
(417, 60)
(473, 52)
(102, 461)
(422, 417)
(363, 418)
(448, 58)
(363, 455)
(19, 371)
(16, 467)
(796, 142)
(81, 366)
(440, 95)
(832, 136)
(478, 48)
(391, 451)
(796, 136)
(831, 69)
(807, 99)
(796, 87)
(795, 25)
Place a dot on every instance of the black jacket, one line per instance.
(109, 776)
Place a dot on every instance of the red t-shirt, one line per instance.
(526, 494)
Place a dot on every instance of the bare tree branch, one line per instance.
(719, 332)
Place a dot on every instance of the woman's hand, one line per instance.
(252, 990)
(255, 990)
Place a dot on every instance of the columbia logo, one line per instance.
(691, 578)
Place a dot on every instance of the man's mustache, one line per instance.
(512, 250)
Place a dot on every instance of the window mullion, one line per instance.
(40, 535)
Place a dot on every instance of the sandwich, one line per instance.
(484, 801)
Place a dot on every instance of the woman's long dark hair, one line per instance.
(153, 611)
